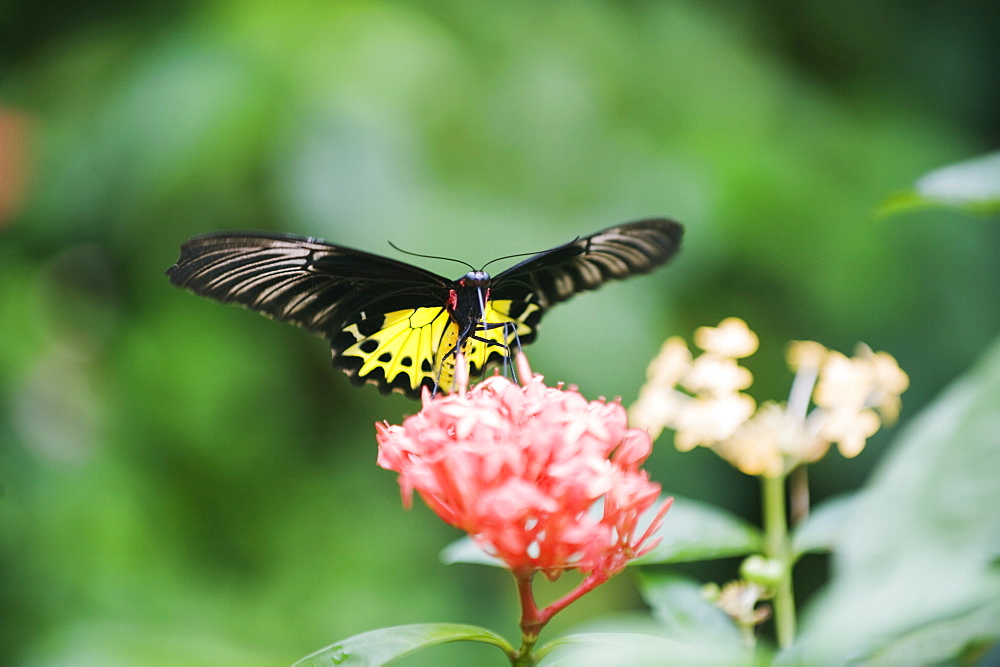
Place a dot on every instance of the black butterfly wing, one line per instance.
(555, 275)
(386, 320)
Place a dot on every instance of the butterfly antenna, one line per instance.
(417, 254)
(524, 254)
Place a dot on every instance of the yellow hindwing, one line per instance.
(412, 346)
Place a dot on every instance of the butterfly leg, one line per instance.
(487, 327)
(437, 377)
(509, 328)
(460, 341)
(517, 343)
(487, 341)
(470, 334)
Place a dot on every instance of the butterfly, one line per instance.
(400, 327)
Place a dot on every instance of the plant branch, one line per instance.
(777, 547)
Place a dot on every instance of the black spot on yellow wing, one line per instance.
(396, 351)
(405, 350)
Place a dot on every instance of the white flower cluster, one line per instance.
(834, 399)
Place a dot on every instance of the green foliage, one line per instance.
(381, 646)
(699, 531)
(827, 522)
(915, 577)
(684, 613)
(972, 186)
(624, 648)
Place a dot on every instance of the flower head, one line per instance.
(739, 599)
(521, 469)
(702, 399)
(766, 443)
(732, 338)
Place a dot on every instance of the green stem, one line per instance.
(524, 657)
(777, 547)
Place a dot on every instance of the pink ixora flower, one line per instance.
(523, 469)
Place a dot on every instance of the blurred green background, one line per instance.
(183, 481)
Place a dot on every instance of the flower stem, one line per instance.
(524, 657)
(798, 492)
(777, 547)
(534, 619)
(531, 620)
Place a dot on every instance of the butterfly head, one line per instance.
(475, 279)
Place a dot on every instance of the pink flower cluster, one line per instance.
(521, 469)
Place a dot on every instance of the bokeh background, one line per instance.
(183, 481)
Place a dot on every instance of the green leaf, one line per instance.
(694, 530)
(972, 186)
(961, 635)
(682, 610)
(916, 574)
(622, 648)
(823, 527)
(378, 647)
(464, 550)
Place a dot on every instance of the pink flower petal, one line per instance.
(519, 468)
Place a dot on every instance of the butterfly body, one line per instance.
(467, 299)
(398, 326)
